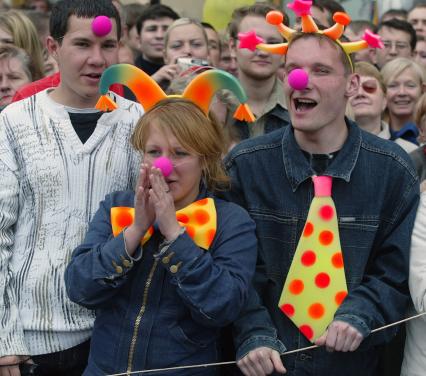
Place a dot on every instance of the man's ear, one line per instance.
(53, 47)
(352, 85)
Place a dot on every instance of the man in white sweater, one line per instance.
(58, 158)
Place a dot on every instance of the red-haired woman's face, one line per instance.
(184, 181)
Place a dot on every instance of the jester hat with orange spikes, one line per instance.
(200, 90)
(302, 9)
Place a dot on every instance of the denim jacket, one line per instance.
(163, 311)
(376, 194)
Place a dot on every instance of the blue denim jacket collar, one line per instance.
(298, 169)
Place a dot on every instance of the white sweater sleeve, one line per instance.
(11, 332)
(417, 278)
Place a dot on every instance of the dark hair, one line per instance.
(258, 9)
(154, 12)
(329, 5)
(395, 13)
(27, 5)
(360, 25)
(402, 26)
(64, 9)
(132, 12)
(418, 4)
(207, 25)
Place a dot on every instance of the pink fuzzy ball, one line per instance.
(298, 79)
(165, 165)
(101, 26)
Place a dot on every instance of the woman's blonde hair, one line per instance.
(196, 133)
(395, 67)
(25, 36)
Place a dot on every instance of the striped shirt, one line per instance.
(50, 187)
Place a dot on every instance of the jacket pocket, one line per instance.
(357, 236)
(201, 338)
(277, 235)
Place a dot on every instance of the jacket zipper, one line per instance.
(139, 318)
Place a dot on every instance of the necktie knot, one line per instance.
(322, 185)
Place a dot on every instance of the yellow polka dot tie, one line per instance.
(316, 284)
(198, 218)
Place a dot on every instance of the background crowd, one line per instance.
(389, 102)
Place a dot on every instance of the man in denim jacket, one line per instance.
(376, 194)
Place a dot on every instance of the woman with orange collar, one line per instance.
(163, 282)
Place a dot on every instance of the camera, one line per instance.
(187, 62)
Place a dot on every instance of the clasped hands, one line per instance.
(153, 203)
(339, 336)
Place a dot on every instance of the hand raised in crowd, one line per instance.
(261, 361)
(165, 212)
(340, 336)
(166, 73)
(144, 211)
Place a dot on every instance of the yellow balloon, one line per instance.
(218, 12)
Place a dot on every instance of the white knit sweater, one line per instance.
(50, 187)
(414, 363)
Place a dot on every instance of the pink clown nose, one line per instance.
(298, 79)
(101, 26)
(164, 164)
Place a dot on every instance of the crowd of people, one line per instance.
(111, 265)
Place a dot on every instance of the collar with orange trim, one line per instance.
(198, 218)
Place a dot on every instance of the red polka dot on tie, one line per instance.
(201, 217)
(288, 309)
(326, 212)
(191, 231)
(337, 260)
(210, 235)
(340, 297)
(202, 202)
(183, 218)
(308, 258)
(326, 237)
(296, 286)
(322, 280)
(316, 311)
(124, 218)
(308, 230)
(307, 331)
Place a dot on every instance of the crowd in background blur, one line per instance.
(390, 101)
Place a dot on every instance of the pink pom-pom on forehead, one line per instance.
(298, 79)
(165, 165)
(101, 26)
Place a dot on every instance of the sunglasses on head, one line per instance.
(370, 86)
